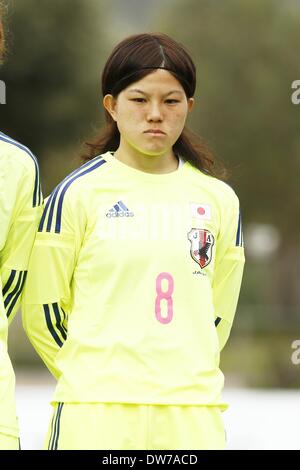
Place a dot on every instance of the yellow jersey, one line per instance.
(20, 211)
(133, 284)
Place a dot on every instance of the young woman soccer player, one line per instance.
(20, 211)
(136, 269)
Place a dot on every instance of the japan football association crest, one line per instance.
(202, 242)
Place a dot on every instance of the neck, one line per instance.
(164, 163)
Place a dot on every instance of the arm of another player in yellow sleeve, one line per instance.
(47, 298)
(229, 267)
(21, 209)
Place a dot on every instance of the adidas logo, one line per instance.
(119, 210)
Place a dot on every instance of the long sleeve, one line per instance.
(48, 298)
(229, 268)
(20, 211)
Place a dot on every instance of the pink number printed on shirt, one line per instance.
(161, 295)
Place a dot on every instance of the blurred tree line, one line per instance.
(52, 73)
(247, 58)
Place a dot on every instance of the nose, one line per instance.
(154, 112)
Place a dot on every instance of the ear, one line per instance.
(191, 102)
(110, 104)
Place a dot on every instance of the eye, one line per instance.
(139, 100)
(173, 101)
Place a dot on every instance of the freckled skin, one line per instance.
(136, 112)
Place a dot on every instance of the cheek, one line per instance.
(130, 116)
(129, 122)
(179, 115)
(178, 120)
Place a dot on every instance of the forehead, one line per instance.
(158, 80)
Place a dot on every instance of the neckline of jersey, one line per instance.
(143, 175)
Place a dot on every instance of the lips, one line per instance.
(154, 131)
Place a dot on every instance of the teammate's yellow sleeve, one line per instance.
(229, 268)
(20, 211)
(47, 296)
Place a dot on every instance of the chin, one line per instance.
(152, 152)
(154, 149)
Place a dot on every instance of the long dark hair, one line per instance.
(132, 59)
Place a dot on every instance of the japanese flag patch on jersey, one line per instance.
(200, 211)
(202, 242)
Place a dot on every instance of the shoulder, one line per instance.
(225, 192)
(80, 180)
(222, 192)
(70, 199)
(17, 155)
(19, 168)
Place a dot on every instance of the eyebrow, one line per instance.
(136, 90)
